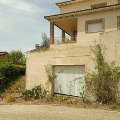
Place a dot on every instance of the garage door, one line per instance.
(70, 80)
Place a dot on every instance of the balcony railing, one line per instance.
(59, 40)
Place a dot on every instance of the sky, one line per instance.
(22, 23)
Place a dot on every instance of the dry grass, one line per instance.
(18, 84)
(12, 96)
(14, 92)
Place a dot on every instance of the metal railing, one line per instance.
(59, 40)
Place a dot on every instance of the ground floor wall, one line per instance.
(111, 45)
(35, 66)
(80, 55)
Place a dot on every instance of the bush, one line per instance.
(36, 93)
(9, 73)
(105, 79)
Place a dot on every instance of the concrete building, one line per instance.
(88, 22)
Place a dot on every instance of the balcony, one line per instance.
(66, 26)
(66, 40)
(70, 42)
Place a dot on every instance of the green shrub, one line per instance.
(9, 73)
(105, 79)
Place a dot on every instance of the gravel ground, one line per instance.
(49, 112)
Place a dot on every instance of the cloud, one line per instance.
(51, 1)
(16, 13)
(22, 22)
(21, 5)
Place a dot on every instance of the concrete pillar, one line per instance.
(51, 32)
(63, 36)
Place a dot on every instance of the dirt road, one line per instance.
(49, 112)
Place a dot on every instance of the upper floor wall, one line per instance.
(86, 24)
(82, 4)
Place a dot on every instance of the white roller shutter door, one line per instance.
(66, 83)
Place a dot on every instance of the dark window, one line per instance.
(99, 5)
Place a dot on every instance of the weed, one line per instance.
(113, 107)
(18, 90)
(61, 98)
(37, 92)
(10, 98)
(44, 49)
(67, 40)
(51, 78)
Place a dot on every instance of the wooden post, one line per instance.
(63, 36)
(51, 32)
(118, 22)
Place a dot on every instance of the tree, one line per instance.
(45, 41)
(16, 57)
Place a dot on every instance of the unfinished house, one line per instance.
(86, 22)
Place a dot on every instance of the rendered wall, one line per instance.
(35, 66)
(110, 25)
(84, 5)
(111, 41)
(68, 54)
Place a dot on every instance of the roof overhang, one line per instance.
(67, 25)
(75, 14)
(59, 4)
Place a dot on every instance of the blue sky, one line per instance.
(22, 23)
